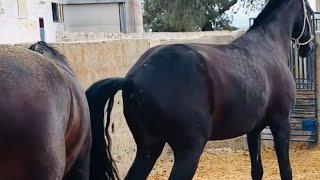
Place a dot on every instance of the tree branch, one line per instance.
(227, 6)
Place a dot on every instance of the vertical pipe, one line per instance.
(137, 15)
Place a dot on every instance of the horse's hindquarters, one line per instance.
(169, 96)
(36, 111)
(29, 149)
(32, 124)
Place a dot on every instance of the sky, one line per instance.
(241, 19)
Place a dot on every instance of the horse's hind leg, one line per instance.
(81, 168)
(186, 158)
(189, 133)
(147, 155)
(254, 143)
(280, 127)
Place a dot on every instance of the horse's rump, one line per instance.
(39, 104)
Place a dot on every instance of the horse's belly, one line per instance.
(234, 125)
(238, 111)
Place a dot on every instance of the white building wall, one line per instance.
(45, 11)
(15, 29)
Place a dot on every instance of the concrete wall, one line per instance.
(17, 28)
(213, 36)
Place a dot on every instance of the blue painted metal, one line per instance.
(309, 125)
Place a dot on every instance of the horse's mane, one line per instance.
(266, 14)
(42, 47)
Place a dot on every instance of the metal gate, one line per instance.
(304, 119)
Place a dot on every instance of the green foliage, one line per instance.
(191, 15)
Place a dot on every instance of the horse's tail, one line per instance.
(102, 165)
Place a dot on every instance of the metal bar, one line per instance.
(293, 134)
(122, 18)
(303, 71)
(314, 62)
(301, 140)
(299, 76)
(293, 140)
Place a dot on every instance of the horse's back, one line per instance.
(20, 66)
(34, 103)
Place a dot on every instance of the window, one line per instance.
(57, 12)
(22, 8)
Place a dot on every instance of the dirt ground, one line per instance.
(225, 164)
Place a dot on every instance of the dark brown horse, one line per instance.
(188, 94)
(45, 121)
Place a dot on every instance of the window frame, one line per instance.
(22, 7)
(57, 12)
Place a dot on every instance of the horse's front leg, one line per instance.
(280, 127)
(254, 143)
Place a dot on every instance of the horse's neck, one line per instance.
(275, 34)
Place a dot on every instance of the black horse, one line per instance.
(44, 116)
(188, 94)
